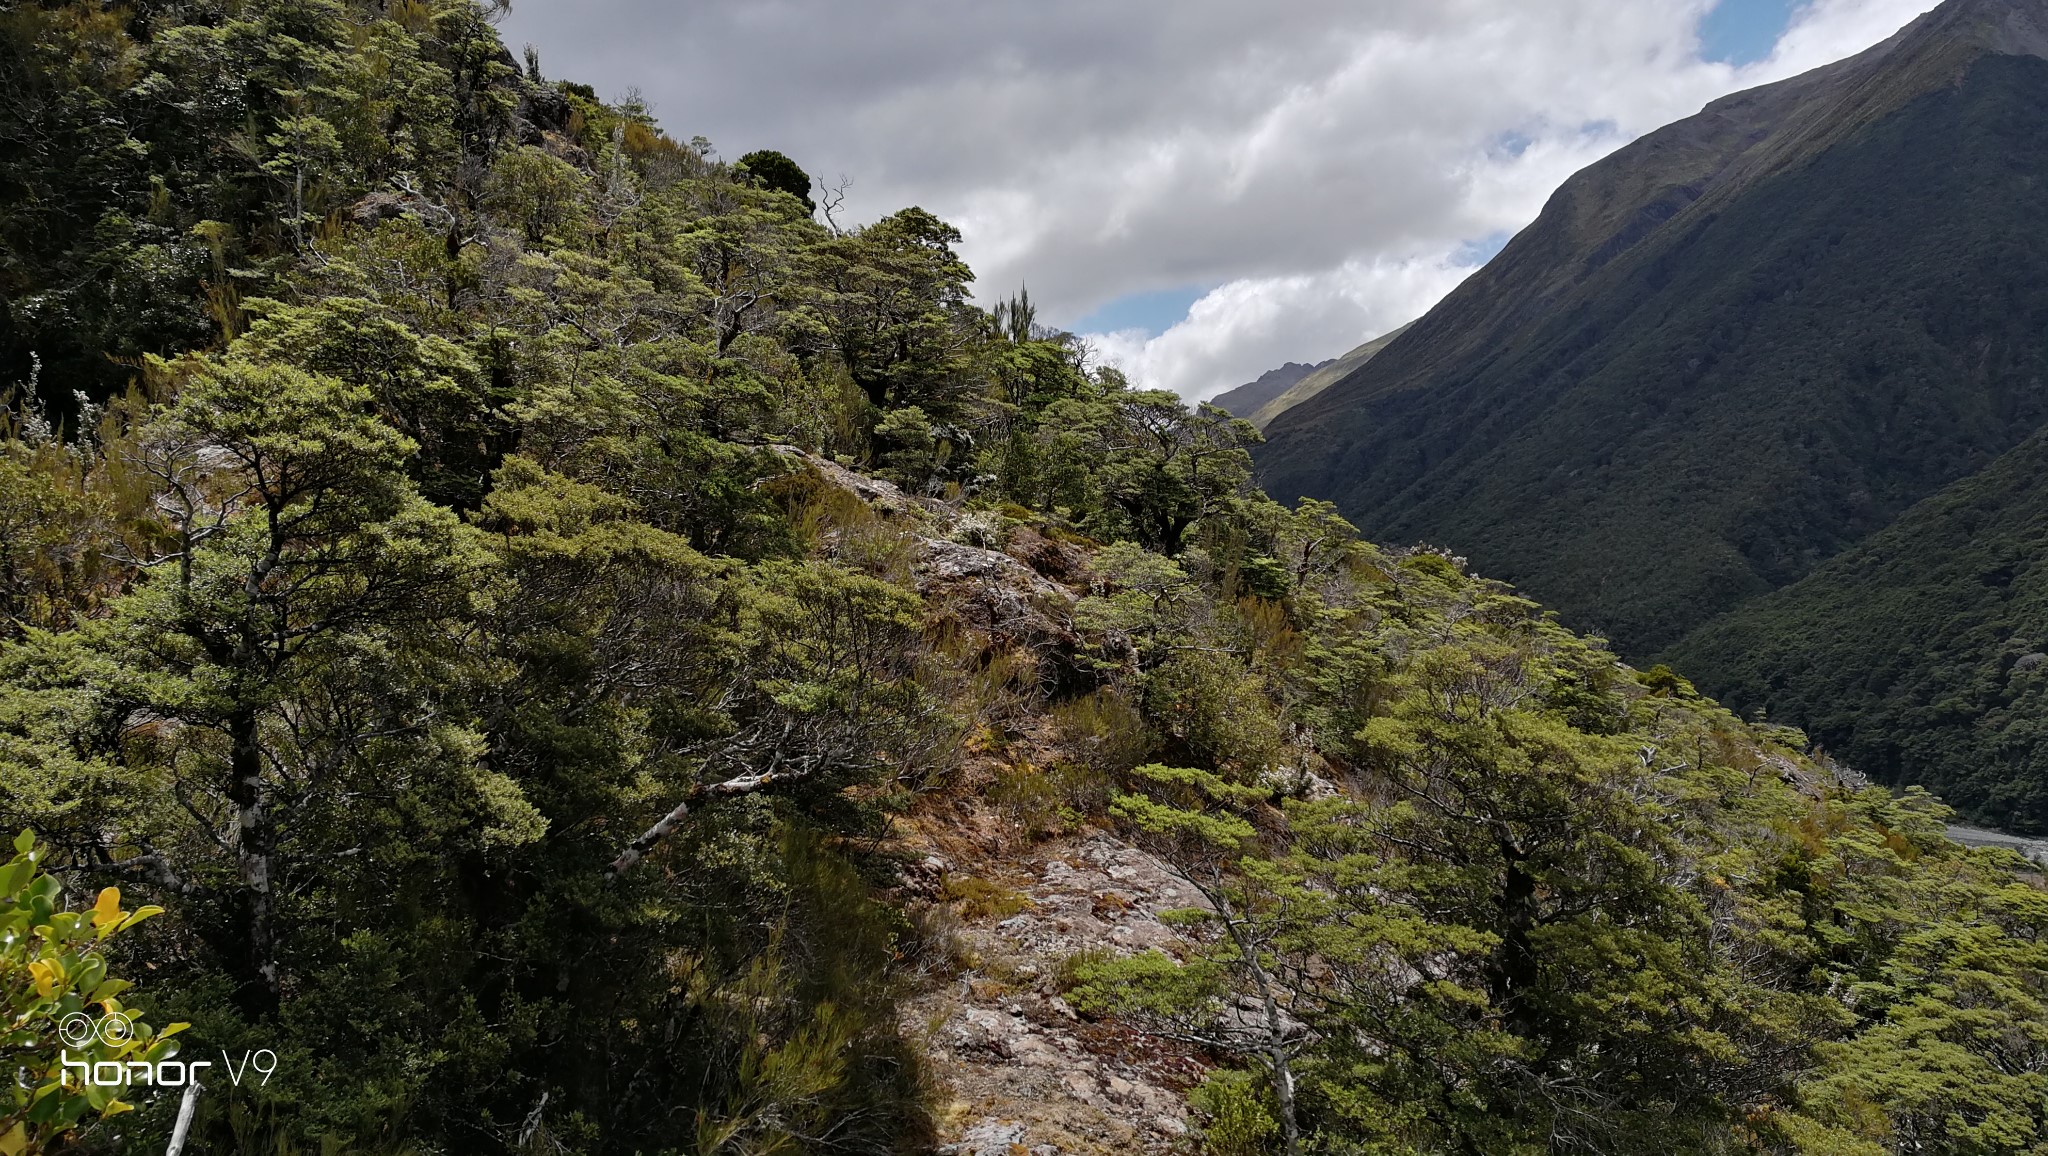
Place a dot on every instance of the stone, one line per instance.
(1034, 1052)
(981, 1030)
(987, 1138)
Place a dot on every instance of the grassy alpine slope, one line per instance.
(510, 585)
(1246, 399)
(1324, 376)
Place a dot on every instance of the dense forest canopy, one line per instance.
(502, 581)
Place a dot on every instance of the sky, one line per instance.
(1205, 189)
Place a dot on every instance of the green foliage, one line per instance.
(779, 173)
(57, 994)
(457, 563)
(1561, 902)
(1150, 988)
(1214, 711)
(1917, 656)
(1050, 800)
(1236, 1119)
(984, 899)
(893, 304)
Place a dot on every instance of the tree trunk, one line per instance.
(1276, 1031)
(254, 863)
(1514, 979)
(1283, 1079)
(187, 1105)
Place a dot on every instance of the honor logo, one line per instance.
(78, 1029)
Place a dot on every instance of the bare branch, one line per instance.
(830, 197)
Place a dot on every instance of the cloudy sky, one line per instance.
(1208, 188)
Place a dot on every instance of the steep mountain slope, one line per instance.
(1326, 375)
(1731, 350)
(1918, 655)
(1246, 399)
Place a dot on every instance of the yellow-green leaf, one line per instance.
(107, 912)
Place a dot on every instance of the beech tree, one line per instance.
(895, 310)
(1192, 829)
(776, 171)
(292, 629)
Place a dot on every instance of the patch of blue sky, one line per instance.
(1744, 31)
(1511, 144)
(1153, 312)
(1480, 250)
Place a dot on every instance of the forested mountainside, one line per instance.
(513, 618)
(1729, 352)
(1918, 655)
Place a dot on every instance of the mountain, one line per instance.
(1246, 399)
(1917, 656)
(1731, 350)
(1279, 390)
(1326, 375)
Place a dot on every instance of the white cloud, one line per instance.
(1320, 161)
(1250, 325)
(1832, 29)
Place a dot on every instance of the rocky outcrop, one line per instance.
(1022, 1073)
(1021, 1067)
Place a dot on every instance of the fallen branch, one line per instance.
(187, 1105)
(151, 866)
(638, 848)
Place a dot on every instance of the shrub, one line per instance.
(51, 973)
(1236, 1121)
(983, 899)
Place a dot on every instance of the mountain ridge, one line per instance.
(1728, 353)
(1247, 399)
(1917, 655)
(646, 671)
(1607, 291)
(1995, 27)
(1326, 375)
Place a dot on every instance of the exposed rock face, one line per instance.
(1024, 1073)
(1020, 1063)
(884, 497)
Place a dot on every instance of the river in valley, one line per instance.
(2035, 849)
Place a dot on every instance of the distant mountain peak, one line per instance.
(1963, 30)
(1246, 399)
